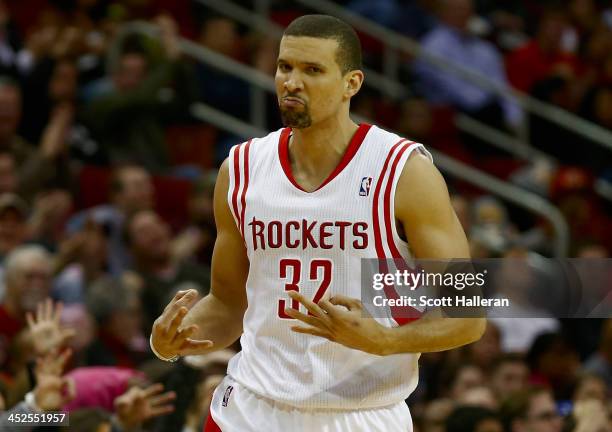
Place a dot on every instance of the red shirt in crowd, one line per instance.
(9, 328)
(529, 64)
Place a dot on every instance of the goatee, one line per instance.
(295, 119)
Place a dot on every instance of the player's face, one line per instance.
(309, 83)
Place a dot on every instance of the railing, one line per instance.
(257, 79)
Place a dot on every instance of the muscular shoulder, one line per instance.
(421, 192)
(223, 215)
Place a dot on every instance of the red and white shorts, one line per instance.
(236, 409)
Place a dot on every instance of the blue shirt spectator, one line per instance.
(450, 40)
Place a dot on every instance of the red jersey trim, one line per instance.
(351, 150)
(246, 186)
(388, 222)
(236, 172)
(378, 242)
(211, 425)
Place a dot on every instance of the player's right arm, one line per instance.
(214, 322)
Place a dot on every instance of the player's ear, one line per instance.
(352, 83)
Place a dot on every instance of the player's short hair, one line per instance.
(348, 54)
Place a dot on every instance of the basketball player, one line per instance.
(296, 211)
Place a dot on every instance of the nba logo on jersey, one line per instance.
(226, 396)
(364, 189)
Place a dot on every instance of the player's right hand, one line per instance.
(169, 337)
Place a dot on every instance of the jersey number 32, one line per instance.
(316, 266)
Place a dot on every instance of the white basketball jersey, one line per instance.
(313, 242)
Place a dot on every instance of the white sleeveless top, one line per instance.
(313, 242)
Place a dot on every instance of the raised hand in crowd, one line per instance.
(591, 416)
(138, 405)
(46, 333)
(53, 142)
(49, 212)
(52, 391)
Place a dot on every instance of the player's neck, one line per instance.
(317, 150)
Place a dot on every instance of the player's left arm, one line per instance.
(431, 227)
(423, 208)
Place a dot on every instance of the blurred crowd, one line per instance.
(107, 177)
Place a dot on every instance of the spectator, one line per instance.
(51, 392)
(128, 121)
(117, 308)
(473, 419)
(484, 352)
(595, 51)
(435, 414)
(452, 41)
(543, 56)
(456, 379)
(199, 237)
(509, 375)
(78, 318)
(53, 86)
(481, 396)
(13, 224)
(36, 168)
(553, 362)
(509, 19)
(223, 91)
(532, 409)
(572, 192)
(491, 232)
(584, 16)
(8, 172)
(81, 260)
(416, 120)
(517, 278)
(217, 88)
(408, 17)
(150, 243)
(27, 278)
(50, 211)
(131, 190)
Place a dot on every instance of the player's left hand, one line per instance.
(340, 319)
